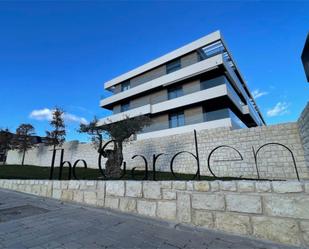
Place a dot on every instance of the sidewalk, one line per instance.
(34, 222)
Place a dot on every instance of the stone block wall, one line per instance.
(274, 161)
(303, 124)
(276, 211)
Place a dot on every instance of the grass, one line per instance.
(35, 172)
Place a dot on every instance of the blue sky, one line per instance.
(60, 53)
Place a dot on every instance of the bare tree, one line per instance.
(119, 132)
(56, 137)
(23, 140)
(6, 141)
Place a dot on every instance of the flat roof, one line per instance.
(212, 37)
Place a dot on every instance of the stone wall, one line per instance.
(42, 155)
(303, 123)
(274, 161)
(276, 211)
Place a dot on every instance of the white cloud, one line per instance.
(257, 93)
(47, 114)
(281, 108)
(42, 114)
(73, 118)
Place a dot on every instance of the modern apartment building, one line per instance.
(305, 57)
(197, 86)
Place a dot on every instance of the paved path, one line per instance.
(33, 222)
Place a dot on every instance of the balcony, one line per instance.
(226, 122)
(168, 79)
(197, 97)
(143, 110)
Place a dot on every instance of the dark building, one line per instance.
(305, 57)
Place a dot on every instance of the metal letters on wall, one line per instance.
(197, 176)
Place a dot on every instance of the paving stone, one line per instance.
(214, 186)
(115, 188)
(287, 187)
(73, 185)
(133, 189)
(287, 206)
(201, 186)
(78, 196)
(227, 185)
(243, 203)
(263, 186)
(245, 186)
(166, 184)
(127, 205)
(180, 185)
(183, 207)
(202, 218)
(90, 197)
(67, 195)
(168, 194)
(236, 223)
(190, 186)
(146, 208)
(152, 190)
(304, 227)
(307, 187)
(208, 201)
(285, 231)
(166, 210)
(56, 194)
(111, 202)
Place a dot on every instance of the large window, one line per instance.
(176, 119)
(125, 85)
(173, 66)
(209, 83)
(215, 115)
(125, 106)
(175, 92)
(212, 50)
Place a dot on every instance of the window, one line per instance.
(125, 106)
(173, 66)
(175, 92)
(125, 85)
(209, 83)
(176, 119)
(213, 49)
(216, 114)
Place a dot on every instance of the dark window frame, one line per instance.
(177, 91)
(179, 117)
(173, 66)
(126, 85)
(125, 106)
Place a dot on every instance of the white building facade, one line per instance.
(197, 86)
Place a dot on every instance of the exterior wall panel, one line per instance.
(189, 59)
(144, 100)
(150, 75)
(191, 87)
(194, 115)
(158, 123)
(159, 96)
(116, 109)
